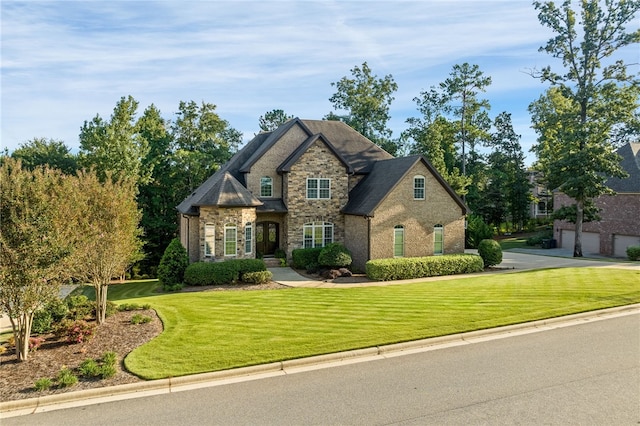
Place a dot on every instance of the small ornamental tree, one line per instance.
(490, 252)
(172, 265)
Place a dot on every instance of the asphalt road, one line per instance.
(587, 374)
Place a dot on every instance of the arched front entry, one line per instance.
(267, 238)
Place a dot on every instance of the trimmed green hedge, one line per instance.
(421, 267)
(306, 258)
(490, 252)
(227, 272)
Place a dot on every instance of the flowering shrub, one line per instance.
(77, 331)
(35, 343)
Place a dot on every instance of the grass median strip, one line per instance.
(210, 331)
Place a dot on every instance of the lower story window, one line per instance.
(438, 239)
(248, 238)
(209, 239)
(317, 234)
(230, 240)
(398, 241)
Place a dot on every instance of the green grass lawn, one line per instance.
(209, 331)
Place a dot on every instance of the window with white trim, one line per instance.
(230, 239)
(317, 234)
(418, 187)
(438, 239)
(266, 186)
(398, 241)
(209, 239)
(248, 238)
(318, 188)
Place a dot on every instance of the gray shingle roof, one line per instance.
(630, 154)
(385, 175)
(221, 189)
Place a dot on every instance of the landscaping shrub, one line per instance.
(490, 252)
(66, 378)
(306, 258)
(43, 384)
(140, 319)
(334, 255)
(633, 253)
(80, 307)
(76, 331)
(477, 230)
(421, 267)
(128, 307)
(35, 343)
(260, 277)
(109, 358)
(280, 254)
(215, 273)
(173, 264)
(44, 319)
(89, 368)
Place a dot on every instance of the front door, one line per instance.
(267, 238)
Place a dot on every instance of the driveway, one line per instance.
(516, 260)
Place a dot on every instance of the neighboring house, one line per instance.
(619, 226)
(540, 206)
(310, 183)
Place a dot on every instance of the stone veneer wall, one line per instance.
(220, 216)
(269, 162)
(418, 218)
(317, 162)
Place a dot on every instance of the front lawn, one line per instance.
(209, 331)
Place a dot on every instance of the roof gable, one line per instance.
(630, 162)
(385, 175)
(222, 190)
(311, 140)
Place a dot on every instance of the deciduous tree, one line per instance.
(271, 120)
(46, 152)
(365, 99)
(589, 101)
(35, 244)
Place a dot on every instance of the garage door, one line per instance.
(621, 242)
(590, 241)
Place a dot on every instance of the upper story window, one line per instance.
(230, 239)
(398, 241)
(266, 186)
(418, 187)
(317, 234)
(318, 188)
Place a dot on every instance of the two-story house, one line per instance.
(313, 182)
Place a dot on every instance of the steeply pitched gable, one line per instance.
(384, 176)
(295, 156)
(221, 189)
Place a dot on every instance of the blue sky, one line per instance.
(63, 62)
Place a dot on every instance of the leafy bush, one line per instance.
(173, 264)
(421, 267)
(306, 258)
(260, 277)
(76, 331)
(53, 312)
(80, 307)
(35, 343)
(89, 368)
(43, 384)
(140, 319)
(109, 358)
(633, 253)
(111, 308)
(107, 371)
(280, 254)
(66, 378)
(227, 272)
(335, 255)
(490, 252)
(477, 230)
(128, 307)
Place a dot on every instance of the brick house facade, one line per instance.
(619, 226)
(311, 182)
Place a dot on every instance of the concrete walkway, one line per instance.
(516, 260)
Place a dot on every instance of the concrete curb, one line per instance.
(175, 384)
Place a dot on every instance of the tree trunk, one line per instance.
(101, 302)
(21, 333)
(577, 247)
